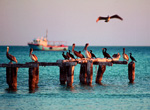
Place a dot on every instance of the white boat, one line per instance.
(45, 45)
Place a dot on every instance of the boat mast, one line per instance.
(46, 33)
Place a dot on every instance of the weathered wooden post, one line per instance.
(83, 74)
(100, 73)
(131, 71)
(33, 77)
(11, 77)
(70, 75)
(63, 74)
(89, 72)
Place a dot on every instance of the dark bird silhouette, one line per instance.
(78, 54)
(125, 56)
(10, 57)
(68, 55)
(106, 55)
(87, 53)
(65, 56)
(71, 55)
(116, 55)
(108, 18)
(132, 58)
(93, 56)
(32, 56)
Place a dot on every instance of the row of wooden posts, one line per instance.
(66, 71)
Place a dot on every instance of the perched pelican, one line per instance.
(125, 56)
(71, 55)
(106, 55)
(116, 55)
(108, 18)
(93, 56)
(132, 58)
(10, 57)
(68, 55)
(65, 56)
(78, 54)
(87, 53)
(32, 56)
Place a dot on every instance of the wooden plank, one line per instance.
(19, 65)
(103, 63)
(48, 64)
(119, 62)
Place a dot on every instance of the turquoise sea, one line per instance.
(115, 94)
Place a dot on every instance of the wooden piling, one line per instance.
(70, 75)
(89, 72)
(33, 78)
(100, 73)
(131, 72)
(11, 77)
(63, 75)
(83, 74)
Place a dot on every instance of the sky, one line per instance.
(74, 21)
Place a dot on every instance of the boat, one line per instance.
(44, 45)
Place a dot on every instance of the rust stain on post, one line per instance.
(33, 78)
(131, 72)
(70, 75)
(100, 73)
(11, 77)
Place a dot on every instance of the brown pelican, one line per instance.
(10, 57)
(116, 55)
(78, 54)
(32, 56)
(108, 18)
(87, 53)
(132, 58)
(65, 56)
(125, 56)
(106, 55)
(93, 56)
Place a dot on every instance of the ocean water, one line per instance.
(115, 94)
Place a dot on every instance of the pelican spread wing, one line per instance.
(116, 16)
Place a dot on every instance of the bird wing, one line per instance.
(78, 54)
(116, 16)
(11, 57)
(35, 57)
(101, 18)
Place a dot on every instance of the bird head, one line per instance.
(130, 53)
(31, 50)
(7, 48)
(86, 45)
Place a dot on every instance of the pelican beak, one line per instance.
(97, 20)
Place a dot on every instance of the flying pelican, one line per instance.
(10, 57)
(125, 56)
(93, 56)
(87, 53)
(32, 56)
(108, 18)
(71, 55)
(78, 54)
(132, 58)
(106, 55)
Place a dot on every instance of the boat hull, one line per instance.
(48, 48)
